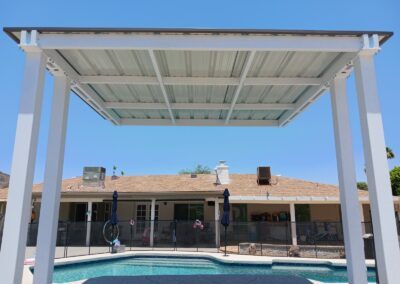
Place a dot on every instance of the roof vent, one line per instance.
(222, 173)
(264, 175)
(94, 176)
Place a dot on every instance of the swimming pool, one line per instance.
(146, 265)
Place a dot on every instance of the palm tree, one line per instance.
(389, 153)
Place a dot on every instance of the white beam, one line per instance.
(312, 93)
(22, 170)
(293, 223)
(243, 76)
(119, 80)
(217, 224)
(197, 106)
(351, 219)
(83, 91)
(281, 81)
(152, 220)
(124, 41)
(200, 81)
(162, 87)
(89, 222)
(197, 122)
(379, 188)
(50, 204)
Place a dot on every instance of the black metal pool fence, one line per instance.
(314, 239)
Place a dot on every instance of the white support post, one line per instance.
(379, 188)
(293, 224)
(89, 222)
(356, 268)
(50, 204)
(22, 170)
(152, 217)
(217, 226)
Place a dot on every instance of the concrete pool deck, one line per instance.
(231, 258)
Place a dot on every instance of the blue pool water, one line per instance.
(188, 266)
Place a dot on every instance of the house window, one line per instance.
(94, 212)
(143, 213)
(188, 212)
(303, 213)
(239, 212)
(107, 209)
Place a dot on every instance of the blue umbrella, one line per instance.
(114, 219)
(225, 215)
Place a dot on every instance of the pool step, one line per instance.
(165, 262)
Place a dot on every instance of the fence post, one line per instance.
(315, 242)
(197, 239)
(130, 248)
(66, 241)
(90, 234)
(174, 236)
(287, 241)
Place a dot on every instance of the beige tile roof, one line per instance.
(4, 179)
(241, 184)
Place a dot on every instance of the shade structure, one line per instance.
(199, 77)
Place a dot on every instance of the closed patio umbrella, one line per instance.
(114, 218)
(225, 215)
(110, 229)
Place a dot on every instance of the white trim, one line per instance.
(281, 81)
(200, 81)
(197, 106)
(197, 122)
(281, 198)
(318, 43)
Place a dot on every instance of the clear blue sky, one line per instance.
(303, 149)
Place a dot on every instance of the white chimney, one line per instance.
(222, 172)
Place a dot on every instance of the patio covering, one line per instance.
(197, 76)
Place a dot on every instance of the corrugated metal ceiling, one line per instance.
(211, 84)
(221, 64)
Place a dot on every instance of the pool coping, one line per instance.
(231, 258)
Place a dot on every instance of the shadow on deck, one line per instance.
(199, 279)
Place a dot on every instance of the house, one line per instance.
(4, 180)
(189, 197)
